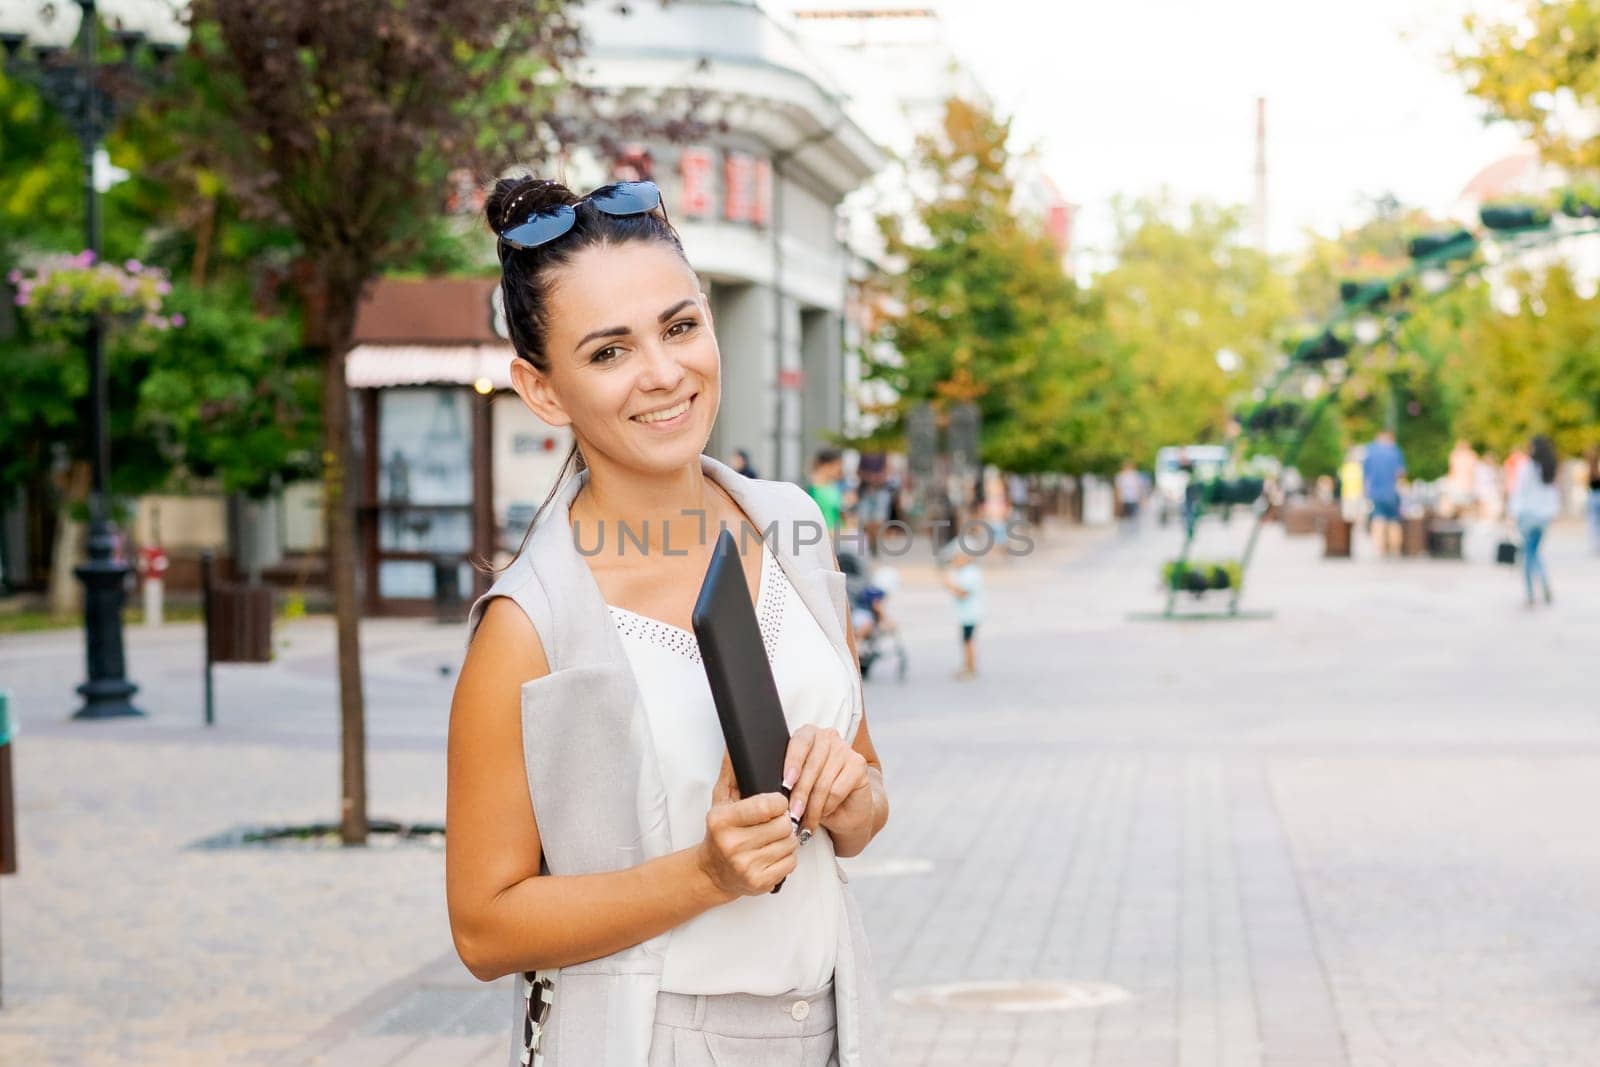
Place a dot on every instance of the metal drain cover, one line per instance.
(1013, 997)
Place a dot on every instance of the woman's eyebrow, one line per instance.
(673, 310)
(609, 331)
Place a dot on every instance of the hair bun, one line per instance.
(514, 199)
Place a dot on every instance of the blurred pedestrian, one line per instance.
(1535, 502)
(1488, 488)
(996, 507)
(827, 468)
(1511, 467)
(741, 463)
(965, 582)
(1352, 500)
(874, 497)
(1381, 472)
(1461, 481)
(1129, 485)
(1594, 498)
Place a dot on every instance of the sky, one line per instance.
(1132, 96)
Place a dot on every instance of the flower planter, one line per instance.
(1199, 578)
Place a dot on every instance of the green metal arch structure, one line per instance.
(1439, 262)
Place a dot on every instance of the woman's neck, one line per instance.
(663, 511)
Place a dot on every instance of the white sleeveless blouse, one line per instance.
(777, 942)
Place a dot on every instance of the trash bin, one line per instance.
(1444, 540)
(448, 603)
(1336, 537)
(1413, 536)
(241, 624)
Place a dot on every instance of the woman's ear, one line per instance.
(533, 386)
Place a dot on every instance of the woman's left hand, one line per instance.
(829, 785)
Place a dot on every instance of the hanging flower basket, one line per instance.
(1226, 492)
(60, 295)
(1443, 244)
(1514, 215)
(1581, 202)
(1321, 348)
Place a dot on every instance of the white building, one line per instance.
(757, 205)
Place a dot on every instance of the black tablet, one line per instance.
(741, 678)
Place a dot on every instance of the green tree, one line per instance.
(1197, 311)
(986, 314)
(347, 120)
(1536, 69)
(176, 214)
(1535, 371)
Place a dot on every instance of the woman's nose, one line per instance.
(661, 368)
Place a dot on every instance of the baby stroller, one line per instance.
(877, 635)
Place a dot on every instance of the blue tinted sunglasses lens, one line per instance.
(542, 228)
(629, 198)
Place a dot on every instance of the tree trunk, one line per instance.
(66, 592)
(336, 304)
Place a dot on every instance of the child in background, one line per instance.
(965, 582)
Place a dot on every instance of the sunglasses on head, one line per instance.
(620, 201)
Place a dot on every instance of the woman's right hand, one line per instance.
(750, 843)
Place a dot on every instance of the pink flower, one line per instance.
(22, 300)
(178, 319)
(85, 258)
(163, 288)
(14, 277)
(133, 266)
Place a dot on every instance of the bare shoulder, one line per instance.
(505, 650)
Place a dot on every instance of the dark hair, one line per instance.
(826, 455)
(526, 274)
(1543, 452)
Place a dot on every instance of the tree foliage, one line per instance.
(1533, 371)
(983, 311)
(1187, 298)
(1537, 70)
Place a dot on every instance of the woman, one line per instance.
(1535, 502)
(597, 846)
(1594, 499)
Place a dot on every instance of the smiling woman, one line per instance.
(597, 846)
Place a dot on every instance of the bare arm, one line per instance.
(838, 787)
(505, 916)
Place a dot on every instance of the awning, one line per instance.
(376, 366)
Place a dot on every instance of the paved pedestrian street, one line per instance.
(1361, 833)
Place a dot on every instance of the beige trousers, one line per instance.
(740, 1030)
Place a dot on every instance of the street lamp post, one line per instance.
(73, 86)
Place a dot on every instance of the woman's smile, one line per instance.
(666, 420)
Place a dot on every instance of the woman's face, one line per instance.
(634, 366)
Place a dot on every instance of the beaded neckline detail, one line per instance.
(675, 639)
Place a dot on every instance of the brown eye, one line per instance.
(687, 325)
(606, 354)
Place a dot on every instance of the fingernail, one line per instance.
(805, 835)
(788, 778)
(798, 809)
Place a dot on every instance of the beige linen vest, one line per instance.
(592, 770)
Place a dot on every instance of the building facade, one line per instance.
(757, 203)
